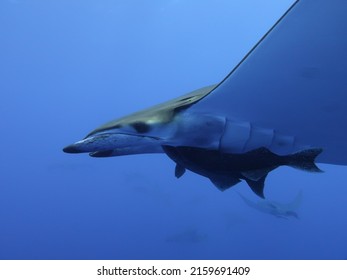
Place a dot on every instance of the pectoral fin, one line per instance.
(256, 175)
(179, 171)
(223, 183)
(257, 186)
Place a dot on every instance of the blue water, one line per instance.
(67, 67)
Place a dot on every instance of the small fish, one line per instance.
(225, 169)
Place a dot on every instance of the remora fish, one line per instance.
(288, 96)
(225, 169)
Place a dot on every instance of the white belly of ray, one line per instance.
(202, 131)
(195, 130)
(230, 136)
(241, 137)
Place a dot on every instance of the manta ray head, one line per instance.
(147, 130)
(130, 135)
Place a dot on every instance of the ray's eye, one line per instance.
(141, 127)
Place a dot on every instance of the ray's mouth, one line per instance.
(103, 145)
(71, 149)
(101, 154)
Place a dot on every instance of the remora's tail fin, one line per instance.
(304, 160)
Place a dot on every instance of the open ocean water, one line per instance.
(68, 66)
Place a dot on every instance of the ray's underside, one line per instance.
(283, 104)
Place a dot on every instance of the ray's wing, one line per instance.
(262, 206)
(295, 204)
(294, 80)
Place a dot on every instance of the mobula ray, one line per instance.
(283, 104)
